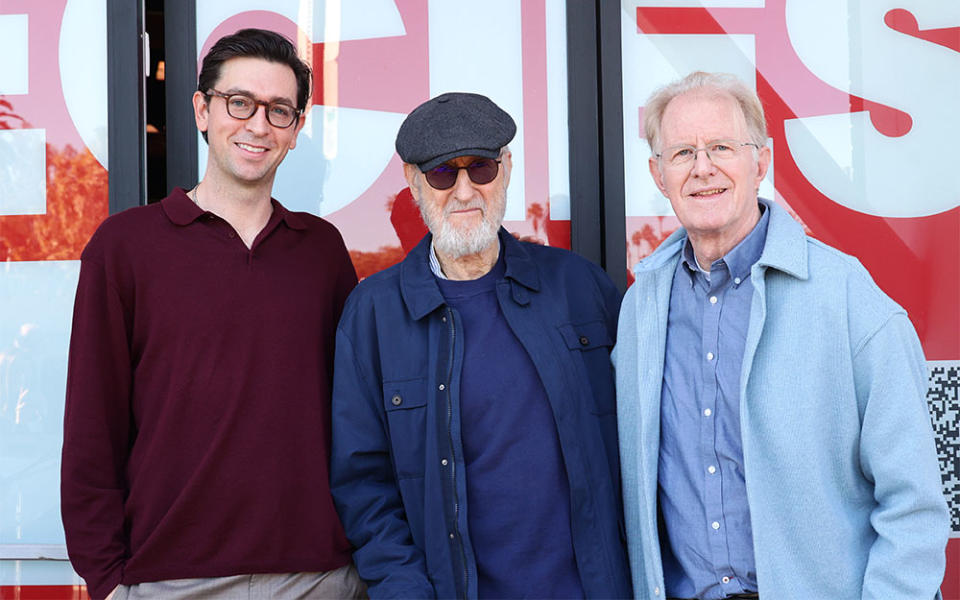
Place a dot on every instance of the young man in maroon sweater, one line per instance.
(197, 423)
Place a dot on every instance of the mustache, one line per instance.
(453, 206)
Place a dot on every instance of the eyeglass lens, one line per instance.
(480, 171)
(677, 156)
(279, 115)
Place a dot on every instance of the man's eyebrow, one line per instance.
(281, 99)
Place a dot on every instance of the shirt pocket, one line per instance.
(589, 343)
(405, 404)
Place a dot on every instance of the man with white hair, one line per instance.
(474, 432)
(774, 435)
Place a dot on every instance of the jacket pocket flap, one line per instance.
(586, 336)
(405, 394)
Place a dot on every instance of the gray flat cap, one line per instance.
(452, 125)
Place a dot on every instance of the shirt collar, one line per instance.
(741, 257)
(182, 210)
(435, 262)
(422, 294)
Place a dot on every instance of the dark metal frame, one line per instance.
(611, 144)
(583, 102)
(180, 47)
(126, 107)
(595, 99)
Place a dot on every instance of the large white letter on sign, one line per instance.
(843, 155)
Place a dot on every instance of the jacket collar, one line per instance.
(785, 248)
(419, 287)
(181, 210)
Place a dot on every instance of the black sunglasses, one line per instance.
(480, 171)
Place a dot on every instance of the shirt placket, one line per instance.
(712, 303)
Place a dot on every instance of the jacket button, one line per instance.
(442, 387)
(584, 340)
(396, 400)
(443, 462)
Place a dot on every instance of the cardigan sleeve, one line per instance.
(97, 432)
(898, 454)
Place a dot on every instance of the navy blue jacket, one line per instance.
(397, 467)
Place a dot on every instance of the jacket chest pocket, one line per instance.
(405, 404)
(589, 343)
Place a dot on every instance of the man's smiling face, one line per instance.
(247, 151)
(715, 200)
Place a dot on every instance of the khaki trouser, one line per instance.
(339, 583)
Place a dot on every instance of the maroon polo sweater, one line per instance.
(197, 426)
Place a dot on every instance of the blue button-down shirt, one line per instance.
(707, 540)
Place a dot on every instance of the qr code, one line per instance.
(943, 395)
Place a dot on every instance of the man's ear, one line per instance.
(296, 131)
(657, 174)
(506, 162)
(201, 110)
(410, 174)
(763, 163)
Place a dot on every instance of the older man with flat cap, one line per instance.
(474, 444)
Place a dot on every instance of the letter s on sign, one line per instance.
(843, 155)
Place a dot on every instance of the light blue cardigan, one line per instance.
(840, 462)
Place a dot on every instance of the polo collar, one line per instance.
(182, 210)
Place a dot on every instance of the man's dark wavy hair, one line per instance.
(254, 43)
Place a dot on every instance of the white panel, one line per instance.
(474, 50)
(558, 130)
(697, 3)
(848, 46)
(37, 304)
(651, 61)
(83, 71)
(23, 172)
(359, 19)
(14, 65)
(37, 572)
(319, 182)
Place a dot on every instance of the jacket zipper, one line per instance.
(453, 456)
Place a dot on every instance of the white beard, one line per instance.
(454, 241)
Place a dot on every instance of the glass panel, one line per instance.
(376, 60)
(860, 99)
(53, 194)
(852, 122)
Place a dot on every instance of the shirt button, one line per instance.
(443, 462)
(584, 340)
(713, 299)
(725, 580)
(451, 536)
(736, 280)
(443, 318)
(442, 387)
(715, 525)
(232, 235)
(707, 412)
(656, 591)
(709, 355)
(711, 469)
(396, 400)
